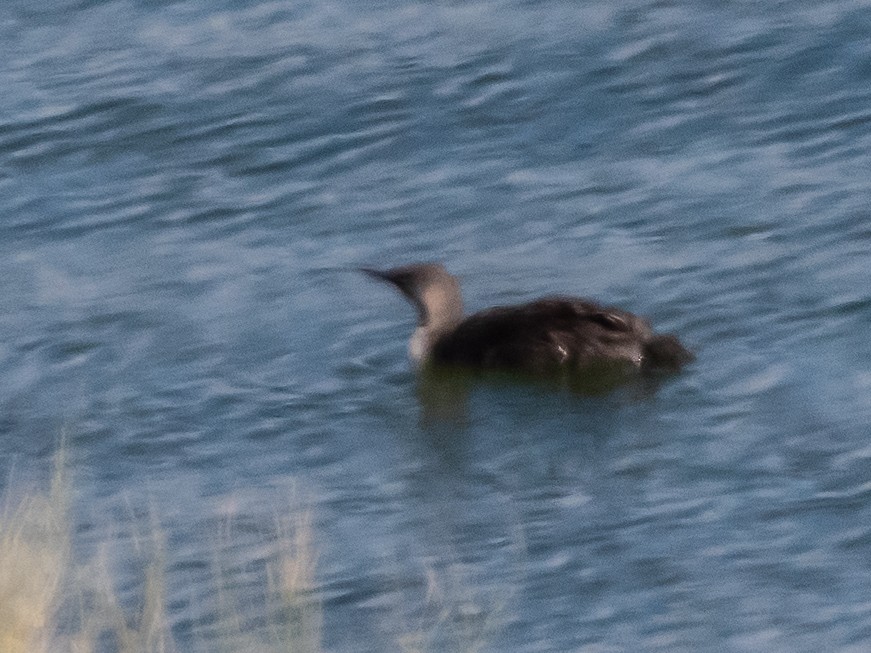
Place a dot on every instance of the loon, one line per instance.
(552, 337)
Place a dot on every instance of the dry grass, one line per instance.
(292, 583)
(48, 602)
(295, 614)
(145, 630)
(458, 617)
(34, 557)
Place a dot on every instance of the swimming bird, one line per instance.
(552, 337)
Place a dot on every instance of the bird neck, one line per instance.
(429, 330)
(440, 310)
(420, 345)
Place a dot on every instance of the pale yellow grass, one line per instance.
(39, 579)
(460, 620)
(296, 613)
(34, 557)
(145, 630)
(292, 583)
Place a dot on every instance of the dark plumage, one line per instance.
(553, 337)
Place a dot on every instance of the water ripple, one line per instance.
(186, 189)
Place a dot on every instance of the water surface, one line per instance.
(184, 187)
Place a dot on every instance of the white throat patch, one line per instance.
(418, 346)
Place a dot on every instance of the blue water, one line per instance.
(184, 187)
